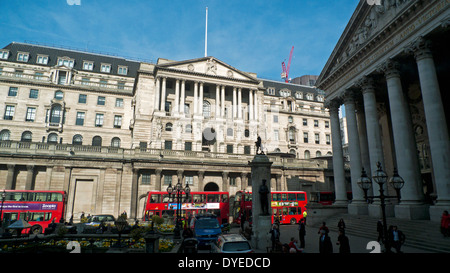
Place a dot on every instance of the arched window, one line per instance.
(291, 133)
(97, 141)
(206, 109)
(56, 113)
(188, 128)
(168, 127)
(5, 134)
(292, 151)
(318, 154)
(52, 138)
(26, 136)
(77, 140)
(230, 132)
(307, 154)
(115, 142)
(277, 150)
(59, 95)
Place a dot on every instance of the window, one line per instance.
(275, 118)
(31, 114)
(316, 123)
(145, 179)
(232, 181)
(230, 132)
(34, 93)
(123, 70)
(229, 148)
(98, 120)
(276, 135)
(309, 96)
(62, 75)
(168, 145)
(77, 140)
(52, 138)
(328, 139)
(189, 180)
(59, 95)
(13, 91)
(4, 54)
(168, 127)
(206, 109)
(103, 83)
(55, 113)
(5, 134)
(82, 98)
(188, 128)
(105, 68)
(88, 65)
(42, 59)
(290, 119)
(39, 76)
(298, 95)
(318, 154)
(284, 93)
(307, 154)
(22, 57)
(80, 118)
(168, 106)
(97, 141)
(188, 146)
(247, 149)
(101, 100)
(167, 179)
(66, 62)
(121, 85)
(305, 137)
(26, 136)
(271, 91)
(9, 112)
(247, 133)
(291, 134)
(117, 121)
(327, 124)
(115, 142)
(320, 98)
(317, 138)
(85, 81)
(305, 122)
(119, 102)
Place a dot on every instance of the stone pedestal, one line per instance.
(261, 221)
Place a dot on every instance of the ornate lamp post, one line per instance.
(381, 178)
(178, 190)
(121, 224)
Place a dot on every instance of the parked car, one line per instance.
(231, 243)
(206, 230)
(96, 220)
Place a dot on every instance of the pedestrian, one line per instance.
(380, 231)
(243, 219)
(325, 245)
(341, 224)
(302, 232)
(445, 223)
(275, 237)
(396, 239)
(293, 246)
(304, 215)
(324, 227)
(343, 242)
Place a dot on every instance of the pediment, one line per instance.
(208, 66)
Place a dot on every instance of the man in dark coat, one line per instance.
(396, 238)
(344, 245)
(325, 245)
(302, 233)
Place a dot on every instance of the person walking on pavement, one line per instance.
(304, 216)
(324, 227)
(445, 224)
(302, 232)
(275, 237)
(380, 231)
(341, 224)
(325, 245)
(343, 242)
(396, 238)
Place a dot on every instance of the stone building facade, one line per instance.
(107, 130)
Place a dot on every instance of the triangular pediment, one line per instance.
(208, 66)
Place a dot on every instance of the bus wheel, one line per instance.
(293, 221)
(36, 229)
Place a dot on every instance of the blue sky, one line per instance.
(253, 36)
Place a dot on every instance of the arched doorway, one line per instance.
(211, 186)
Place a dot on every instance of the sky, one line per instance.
(253, 36)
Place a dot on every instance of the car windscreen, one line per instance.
(236, 246)
(207, 223)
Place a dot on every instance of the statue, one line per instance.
(259, 146)
(263, 192)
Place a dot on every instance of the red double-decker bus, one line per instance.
(196, 203)
(38, 208)
(287, 206)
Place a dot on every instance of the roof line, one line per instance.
(287, 83)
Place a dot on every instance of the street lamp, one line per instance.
(120, 224)
(381, 178)
(178, 191)
(1, 209)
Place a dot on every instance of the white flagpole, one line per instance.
(206, 34)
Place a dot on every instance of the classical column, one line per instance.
(244, 182)
(435, 118)
(217, 101)
(196, 98)
(364, 146)
(10, 177)
(179, 177)
(403, 134)
(250, 104)
(183, 91)
(239, 103)
(234, 103)
(157, 93)
(158, 179)
(200, 100)
(201, 175)
(222, 103)
(256, 105)
(358, 205)
(176, 107)
(163, 95)
(134, 194)
(338, 155)
(225, 180)
(278, 182)
(29, 185)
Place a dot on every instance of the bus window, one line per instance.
(285, 211)
(283, 196)
(155, 198)
(291, 197)
(213, 197)
(292, 211)
(56, 197)
(248, 197)
(300, 196)
(10, 217)
(276, 197)
(225, 198)
(199, 198)
(37, 216)
(48, 216)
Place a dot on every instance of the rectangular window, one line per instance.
(189, 180)
(105, 68)
(66, 62)
(88, 65)
(101, 100)
(119, 102)
(305, 122)
(145, 179)
(42, 59)
(4, 54)
(247, 149)
(22, 57)
(98, 120)
(316, 123)
(317, 138)
(39, 76)
(9, 112)
(31, 114)
(229, 149)
(328, 139)
(276, 135)
(327, 124)
(232, 181)
(121, 85)
(85, 81)
(103, 83)
(188, 146)
(34, 93)
(305, 137)
(123, 70)
(82, 98)
(167, 179)
(80, 118)
(275, 118)
(168, 145)
(13, 91)
(117, 121)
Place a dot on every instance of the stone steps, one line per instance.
(421, 234)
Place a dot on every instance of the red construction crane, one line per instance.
(285, 73)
